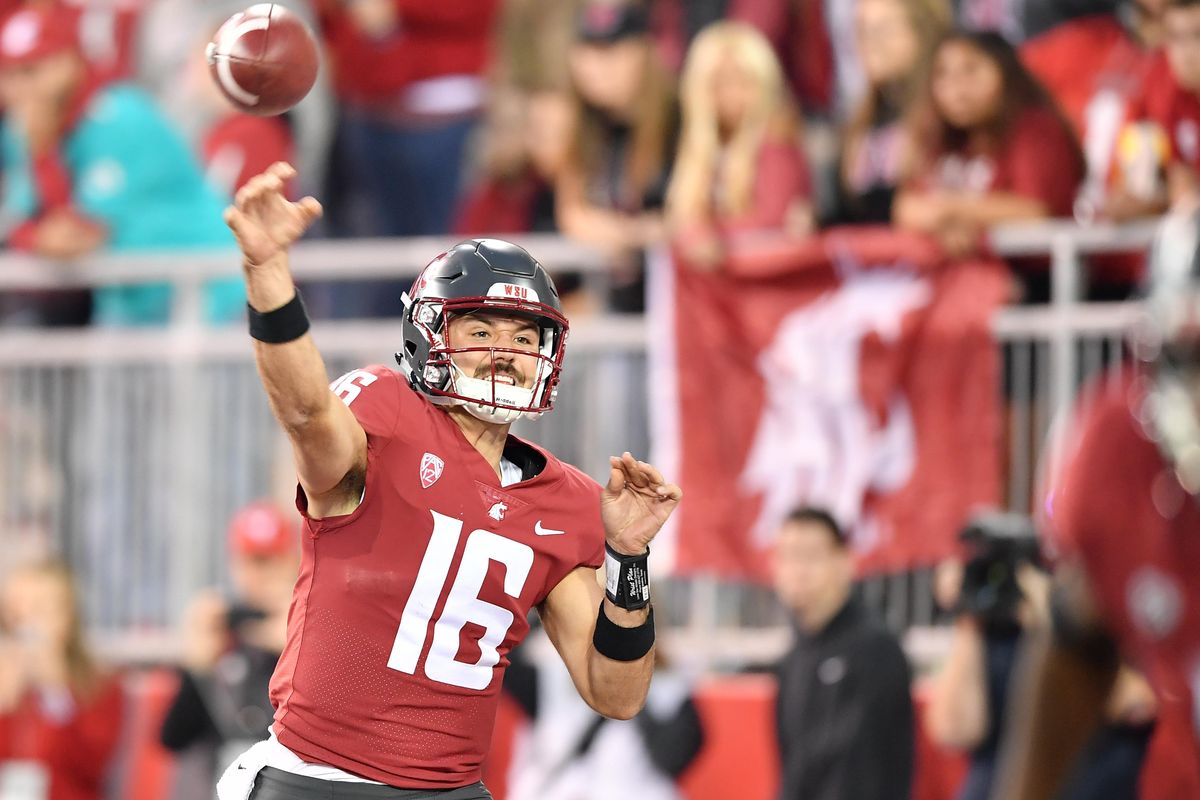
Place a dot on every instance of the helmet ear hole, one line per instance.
(410, 349)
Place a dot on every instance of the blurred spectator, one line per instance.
(895, 41)
(533, 41)
(998, 596)
(105, 30)
(613, 184)
(60, 713)
(1166, 122)
(230, 650)
(997, 16)
(89, 167)
(993, 147)
(676, 23)
(573, 753)
(1096, 66)
(844, 712)
(1039, 16)
(408, 75)
(739, 169)
(806, 35)
(524, 147)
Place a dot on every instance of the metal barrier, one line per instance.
(128, 450)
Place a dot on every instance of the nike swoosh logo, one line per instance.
(540, 531)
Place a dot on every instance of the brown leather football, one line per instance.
(264, 59)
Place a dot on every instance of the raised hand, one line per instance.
(635, 504)
(264, 221)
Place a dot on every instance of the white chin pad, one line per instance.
(488, 393)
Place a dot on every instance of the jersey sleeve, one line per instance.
(591, 544)
(376, 396)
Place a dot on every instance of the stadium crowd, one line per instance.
(726, 131)
(706, 125)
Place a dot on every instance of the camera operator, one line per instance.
(230, 650)
(1000, 593)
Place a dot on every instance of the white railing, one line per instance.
(142, 429)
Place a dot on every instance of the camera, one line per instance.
(998, 544)
(238, 616)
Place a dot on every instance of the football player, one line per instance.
(430, 531)
(1125, 511)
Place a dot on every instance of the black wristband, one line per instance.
(285, 324)
(627, 580)
(622, 644)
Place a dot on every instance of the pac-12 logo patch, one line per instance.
(431, 469)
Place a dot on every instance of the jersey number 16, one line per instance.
(463, 604)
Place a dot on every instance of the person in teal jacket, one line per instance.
(90, 167)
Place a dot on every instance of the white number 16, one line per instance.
(463, 604)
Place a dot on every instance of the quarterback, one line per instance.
(430, 531)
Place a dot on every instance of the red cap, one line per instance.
(262, 529)
(34, 33)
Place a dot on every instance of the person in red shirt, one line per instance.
(1172, 103)
(993, 147)
(430, 531)
(408, 77)
(60, 713)
(1096, 67)
(739, 172)
(1124, 511)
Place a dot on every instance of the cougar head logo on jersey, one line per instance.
(482, 275)
(497, 510)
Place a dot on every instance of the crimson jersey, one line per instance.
(405, 610)
(1038, 160)
(1177, 111)
(1119, 509)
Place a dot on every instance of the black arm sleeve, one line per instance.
(187, 719)
(673, 743)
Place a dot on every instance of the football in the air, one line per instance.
(264, 59)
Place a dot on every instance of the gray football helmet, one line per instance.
(482, 275)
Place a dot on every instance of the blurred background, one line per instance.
(851, 255)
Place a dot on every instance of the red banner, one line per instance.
(854, 372)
